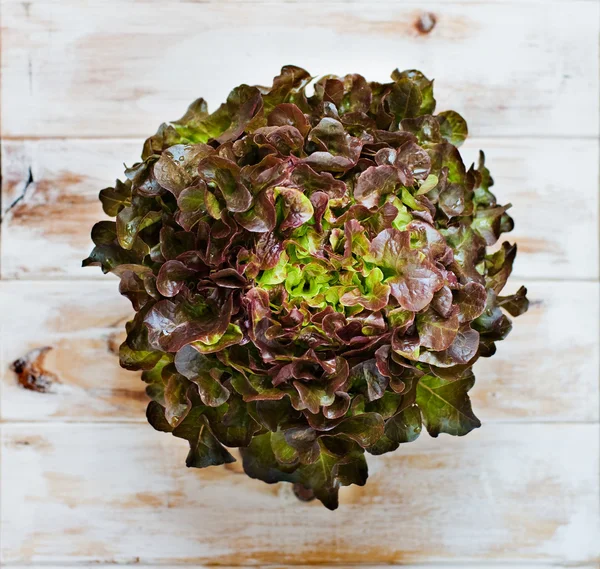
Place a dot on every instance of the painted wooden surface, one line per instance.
(101, 492)
(426, 3)
(83, 479)
(113, 69)
(336, 566)
(60, 205)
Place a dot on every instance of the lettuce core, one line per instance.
(310, 275)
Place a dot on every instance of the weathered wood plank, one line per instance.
(46, 223)
(234, 2)
(83, 324)
(547, 370)
(119, 69)
(556, 215)
(484, 565)
(119, 493)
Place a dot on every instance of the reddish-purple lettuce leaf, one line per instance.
(376, 182)
(172, 277)
(187, 318)
(177, 167)
(336, 150)
(436, 332)
(296, 208)
(224, 175)
(413, 278)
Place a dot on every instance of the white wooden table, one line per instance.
(85, 480)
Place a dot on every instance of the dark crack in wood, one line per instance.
(28, 183)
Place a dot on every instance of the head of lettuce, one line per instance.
(310, 275)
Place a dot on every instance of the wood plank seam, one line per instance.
(135, 563)
(152, 128)
(143, 421)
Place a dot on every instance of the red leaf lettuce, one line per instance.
(310, 275)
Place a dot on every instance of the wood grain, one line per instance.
(84, 325)
(232, 3)
(322, 566)
(57, 210)
(120, 68)
(546, 370)
(119, 494)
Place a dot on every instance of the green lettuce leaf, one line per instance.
(445, 405)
